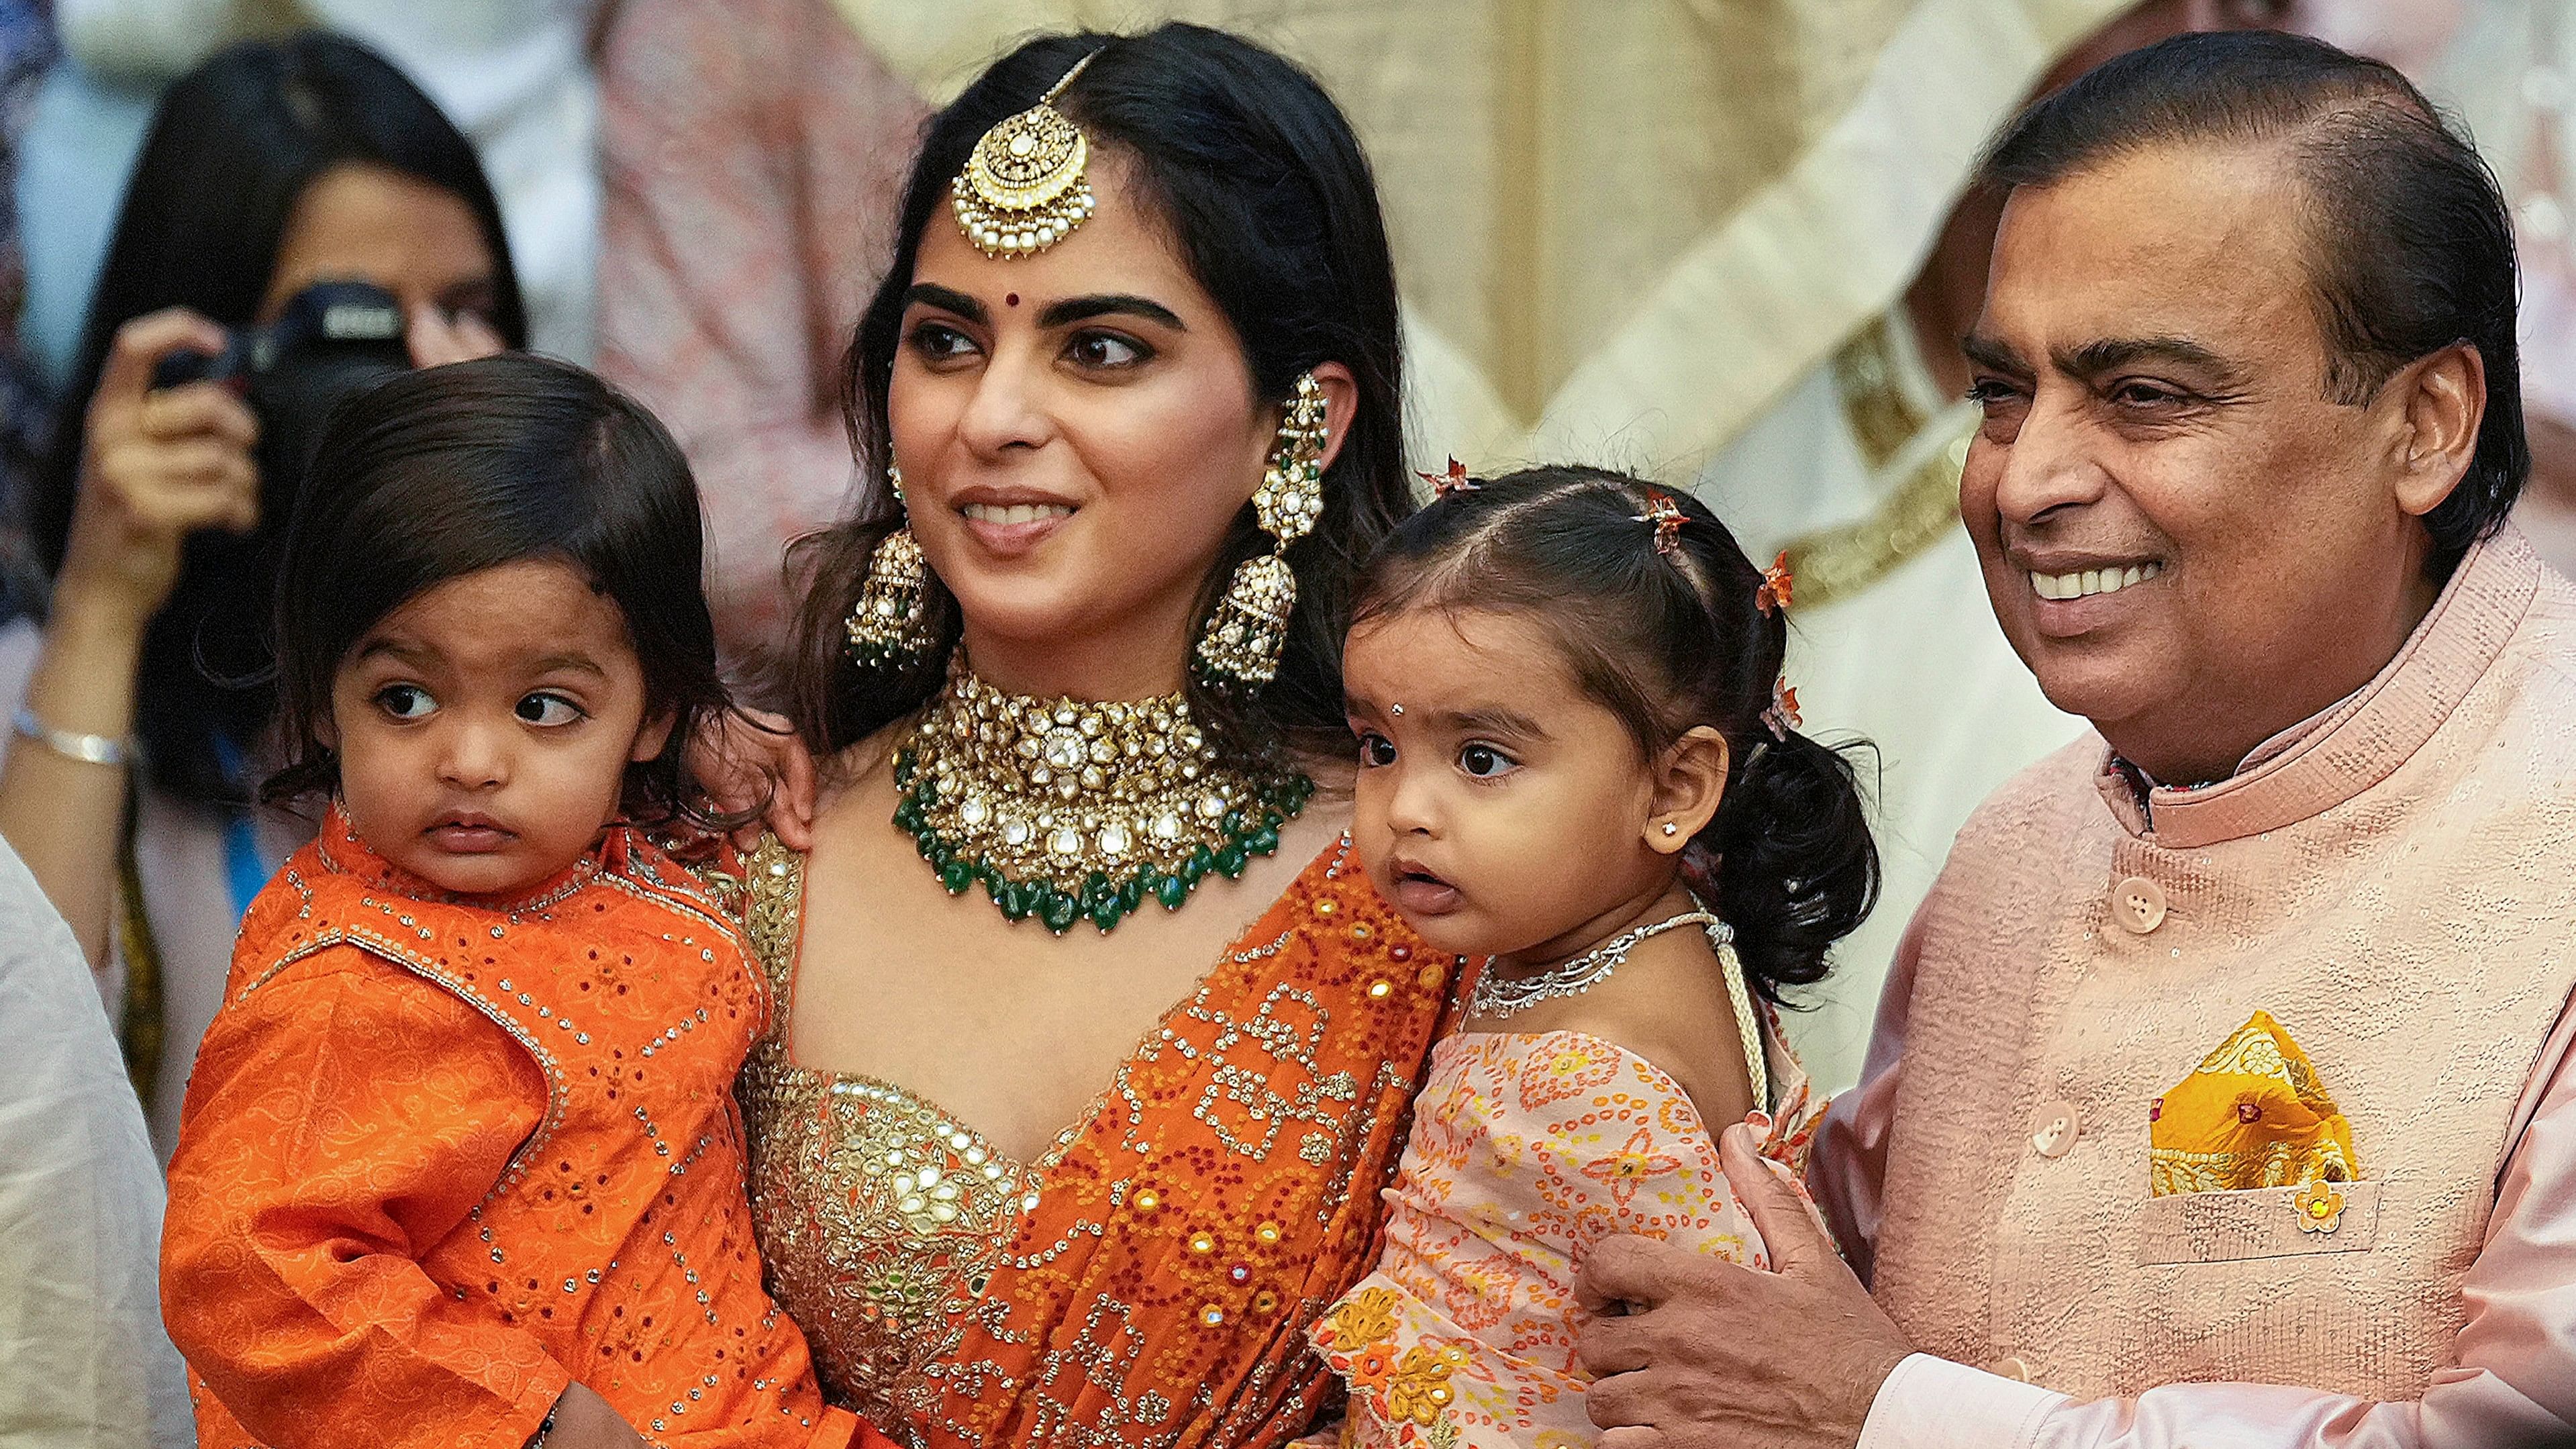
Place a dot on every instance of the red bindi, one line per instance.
(1013, 299)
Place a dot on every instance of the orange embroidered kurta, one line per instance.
(441, 1158)
(1150, 1280)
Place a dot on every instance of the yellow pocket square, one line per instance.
(2251, 1115)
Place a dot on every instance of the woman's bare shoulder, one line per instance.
(857, 765)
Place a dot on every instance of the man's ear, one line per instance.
(652, 735)
(2442, 401)
(1690, 780)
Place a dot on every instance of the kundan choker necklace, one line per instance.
(1070, 809)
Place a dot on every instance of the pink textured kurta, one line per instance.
(1527, 1150)
(2397, 883)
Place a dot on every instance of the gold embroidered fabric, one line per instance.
(880, 1215)
(1838, 562)
(2251, 1115)
(1147, 1282)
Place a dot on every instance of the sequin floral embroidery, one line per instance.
(1526, 1151)
(1148, 1281)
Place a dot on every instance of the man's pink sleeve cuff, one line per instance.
(1932, 1403)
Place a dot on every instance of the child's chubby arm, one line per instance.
(342, 1119)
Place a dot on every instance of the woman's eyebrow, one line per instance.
(1079, 309)
(931, 294)
(471, 292)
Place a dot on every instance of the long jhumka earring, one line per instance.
(1022, 189)
(1244, 638)
(888, 626)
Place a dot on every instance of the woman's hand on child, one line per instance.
(1710, 1353)
(584, 1420)
(749, 759)
(159, 465)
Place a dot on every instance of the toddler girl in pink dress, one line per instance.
(1577, 758)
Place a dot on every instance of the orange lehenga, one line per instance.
(442, 1157)
(1150, 1280)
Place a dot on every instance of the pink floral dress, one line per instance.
(1526, 1151)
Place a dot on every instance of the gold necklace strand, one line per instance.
(1501, 998)
(1068, 809)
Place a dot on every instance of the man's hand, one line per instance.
(1712, 1354)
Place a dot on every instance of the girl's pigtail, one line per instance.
(1792, 866)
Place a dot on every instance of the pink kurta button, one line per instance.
(2054, 1130)
(2138, 904)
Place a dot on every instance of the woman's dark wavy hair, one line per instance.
(448, 471)
(1257, 177)
(1668, 644)
(231, 149)
(2410, 243)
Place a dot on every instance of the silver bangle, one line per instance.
(88, 749)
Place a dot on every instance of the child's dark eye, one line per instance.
(549, 709)
(1376, 750)
(405, 701)
(1485, 762)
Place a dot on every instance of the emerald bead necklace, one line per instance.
(1068, 810)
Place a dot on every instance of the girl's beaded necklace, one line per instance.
(1502, 997)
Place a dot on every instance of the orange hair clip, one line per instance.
(1667, 517)
(1453, 481)
(1782, 716)
(1776, 583)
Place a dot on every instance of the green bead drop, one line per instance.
(1057, 909)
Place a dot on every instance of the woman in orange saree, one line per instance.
(1129, 402)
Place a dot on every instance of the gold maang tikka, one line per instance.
(1249, 630)
(1022, 190)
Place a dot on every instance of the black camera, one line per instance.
(333, 339)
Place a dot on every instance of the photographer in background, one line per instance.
(272, 167)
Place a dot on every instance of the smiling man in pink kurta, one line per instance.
(2251, 435)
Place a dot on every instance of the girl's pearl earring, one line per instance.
(1671, 829)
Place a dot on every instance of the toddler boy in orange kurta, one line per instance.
(440, 1159)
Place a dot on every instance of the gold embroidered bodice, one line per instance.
(879, 1214)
